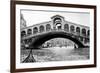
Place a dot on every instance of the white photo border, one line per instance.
(20, 65)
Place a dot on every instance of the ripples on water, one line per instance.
(57, 54)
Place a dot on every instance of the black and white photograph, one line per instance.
(53, 36)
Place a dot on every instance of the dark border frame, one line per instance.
(13, 35)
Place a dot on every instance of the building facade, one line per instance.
(22, 22)
(58, 42)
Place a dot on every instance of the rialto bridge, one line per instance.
(36, 35)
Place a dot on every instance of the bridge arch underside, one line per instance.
(39, 40)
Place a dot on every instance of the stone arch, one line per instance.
(72, 28)
(48, 27)
(58, 26)
(42, 38)
(57, 20)
(84, 32)
(29, 31)
(66, 27)
(23, 33)
(41, 28)
(35, 30)
(78, 30)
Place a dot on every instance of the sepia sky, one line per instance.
(33, 17)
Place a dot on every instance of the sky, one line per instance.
(33, 17)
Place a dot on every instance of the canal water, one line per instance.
(57, 54)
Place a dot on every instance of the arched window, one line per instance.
(72, 28)
(57, 20)
(84, 32)
(29, 31)
(66, 27)
(35, 30)
(58, 26)
(48, 27)
(78, 30)
(41, 28)
(88, 33)
(23, 33)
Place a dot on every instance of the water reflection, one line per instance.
(60, 54)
